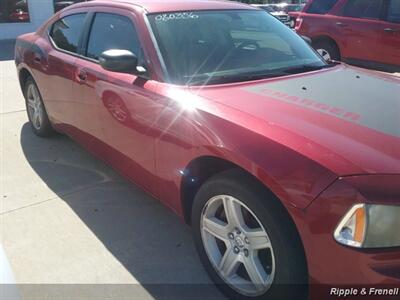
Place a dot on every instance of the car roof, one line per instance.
(153, 6)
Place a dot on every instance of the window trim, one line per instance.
(85, 34)
(88, 28)
(50, 29)
(88, 31)
(164, 69)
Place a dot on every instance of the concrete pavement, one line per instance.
(66, 219)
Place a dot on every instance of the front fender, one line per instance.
(317, 223)
(295, 179)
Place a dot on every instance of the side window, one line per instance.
(110, 31)
(67, 31)
(394, 12)
(321, 6)
(363, 9)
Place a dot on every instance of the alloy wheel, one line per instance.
(35, 107)
(237, 245)
(325, 54)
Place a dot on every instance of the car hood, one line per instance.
(345, 118)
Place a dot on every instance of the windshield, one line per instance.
(210, 47)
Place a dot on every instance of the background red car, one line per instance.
(361, 32)
(19, 16)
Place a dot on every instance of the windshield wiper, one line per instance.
(223, 77)
(219, 79)
(307, 68)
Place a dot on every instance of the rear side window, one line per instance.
(321, 6)
(67, 31)
(110, 31)
(394, 11)
(363, 9)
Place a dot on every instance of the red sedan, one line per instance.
(286, 167)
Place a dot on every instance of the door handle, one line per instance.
(391, 30)
(82, 75)
(340, 24)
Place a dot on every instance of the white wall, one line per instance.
(39, 12)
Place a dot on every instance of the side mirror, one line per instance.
(307, 39)
(121, 61)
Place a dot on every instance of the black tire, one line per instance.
(45, 129)
(291, 276)
(329, 47)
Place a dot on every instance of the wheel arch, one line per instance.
(198, 171)
(23, 75)
(202, 168)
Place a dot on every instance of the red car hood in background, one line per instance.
(347, 119)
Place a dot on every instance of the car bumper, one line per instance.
(332, 264)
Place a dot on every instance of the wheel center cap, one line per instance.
(239, 242)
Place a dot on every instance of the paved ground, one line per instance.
(66, 218)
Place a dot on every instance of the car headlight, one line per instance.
(370, 226)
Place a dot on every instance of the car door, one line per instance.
(360, 24)
(117, 109)
(390, 35)
(56, 78)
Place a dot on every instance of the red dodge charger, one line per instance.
(287, 167)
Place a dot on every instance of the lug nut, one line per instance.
(230, 235)
(236, 250)
(246, 252)
(246, 240)
(238, 231)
